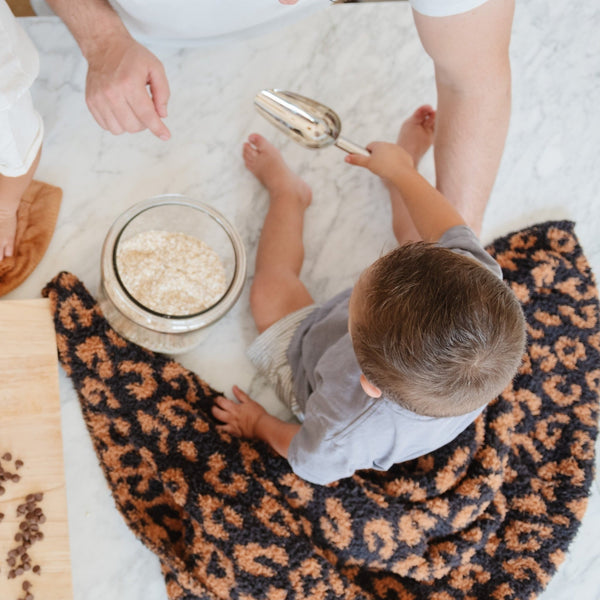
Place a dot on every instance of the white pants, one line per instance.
(21, 127)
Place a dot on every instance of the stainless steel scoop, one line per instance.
(306, 121)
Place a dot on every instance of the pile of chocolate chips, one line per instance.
(7, 476)
(18, 559)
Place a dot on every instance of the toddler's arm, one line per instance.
(430, 211)
(247, 418)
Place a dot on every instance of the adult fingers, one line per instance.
(113, 115)
(159, 89)
(98, 115)
(5, 251)
(130, 112)
(122, 118)
(143, 107)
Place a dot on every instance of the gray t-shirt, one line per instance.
(344, 429)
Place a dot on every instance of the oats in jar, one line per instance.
(171, 273)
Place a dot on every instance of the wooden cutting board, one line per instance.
(30, 430)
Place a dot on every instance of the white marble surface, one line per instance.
(366, 62)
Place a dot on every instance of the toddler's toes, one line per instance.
(424, 113)
(263, 147)
(258, 141)
(249, 153)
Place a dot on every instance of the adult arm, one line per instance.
(470, 52)
(11, 191)
(247, 418)
(126, 87)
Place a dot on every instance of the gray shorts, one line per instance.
(268, 354)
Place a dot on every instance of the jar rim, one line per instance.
(148, 317)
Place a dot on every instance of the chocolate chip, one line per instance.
(7, 456)
(18, 463)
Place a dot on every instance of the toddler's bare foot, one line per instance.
(8, 228)
(265, 162)
(416, 133)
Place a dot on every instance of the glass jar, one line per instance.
(178, 214)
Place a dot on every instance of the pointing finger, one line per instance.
(145, 111)
(159, 89)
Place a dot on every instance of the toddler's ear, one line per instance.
(369, 388)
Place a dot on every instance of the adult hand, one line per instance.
(385, 159)
(239, 418)
(117, 95)
(8, 226)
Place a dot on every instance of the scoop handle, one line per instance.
(350, 147)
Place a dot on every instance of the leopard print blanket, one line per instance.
(489, 515)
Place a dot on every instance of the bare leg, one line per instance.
(277, 290)
(11, 191)
(416, 136)
(472, 71)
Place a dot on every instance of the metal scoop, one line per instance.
(306, 121)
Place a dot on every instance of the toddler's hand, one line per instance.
(386, 160)
(240, 417)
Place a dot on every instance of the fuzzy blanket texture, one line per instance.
(489, 515)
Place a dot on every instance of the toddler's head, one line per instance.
(435, 331)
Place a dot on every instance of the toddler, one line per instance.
(402, 363)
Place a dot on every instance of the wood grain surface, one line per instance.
(30, 430)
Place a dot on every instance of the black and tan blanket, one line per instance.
(490, 515)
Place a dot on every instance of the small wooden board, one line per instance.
(30, 430)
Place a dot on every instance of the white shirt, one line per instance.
(21, 127)
(189, 21)
(19, 61)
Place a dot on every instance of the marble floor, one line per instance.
(365, 61)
